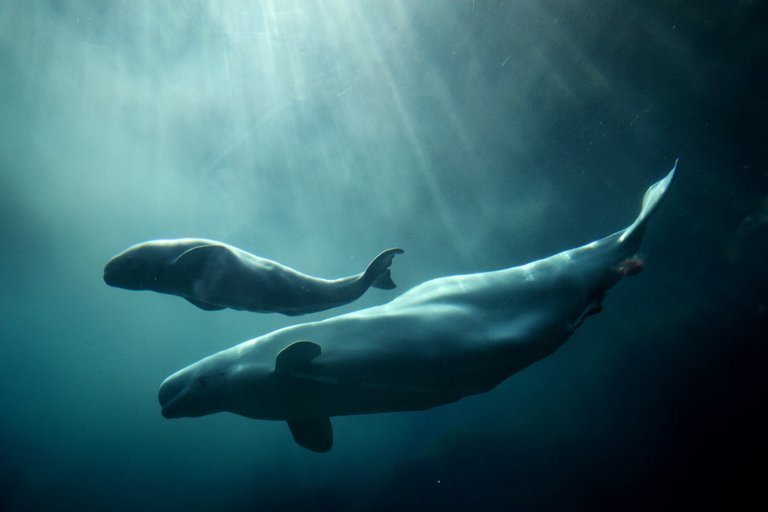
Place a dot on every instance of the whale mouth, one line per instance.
(169, 410)
(172, 395)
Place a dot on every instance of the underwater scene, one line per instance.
(328, 255)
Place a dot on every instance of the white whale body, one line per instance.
(213, 276)
(438, 342)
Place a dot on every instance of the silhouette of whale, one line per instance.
(213, 276)
(438, 342)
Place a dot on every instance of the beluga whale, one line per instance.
(214, 276)
(435, 344)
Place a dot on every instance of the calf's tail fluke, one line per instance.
(378, 273)
(631, 237)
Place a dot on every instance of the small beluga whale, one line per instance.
(214, 276)
(438, 342)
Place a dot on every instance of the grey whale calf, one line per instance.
(436, 343)
(214, 276)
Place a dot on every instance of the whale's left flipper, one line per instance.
(378, 273)
(314, 434)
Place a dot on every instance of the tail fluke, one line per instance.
(631, 236)
(378, 273)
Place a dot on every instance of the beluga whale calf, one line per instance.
(438, 342)
(214, 276)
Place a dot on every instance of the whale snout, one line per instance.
(127, 271)
(111, 274)
(117, 272)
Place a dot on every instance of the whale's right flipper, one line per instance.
(296, 356)
(378, 273)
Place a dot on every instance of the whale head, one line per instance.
(146, 266)
(215, 384)
(133, 269)
(196, 390)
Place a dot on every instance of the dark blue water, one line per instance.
(477, 136)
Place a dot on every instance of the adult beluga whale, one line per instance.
(213, 276)
(438, 342)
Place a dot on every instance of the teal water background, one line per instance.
(475, 135)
